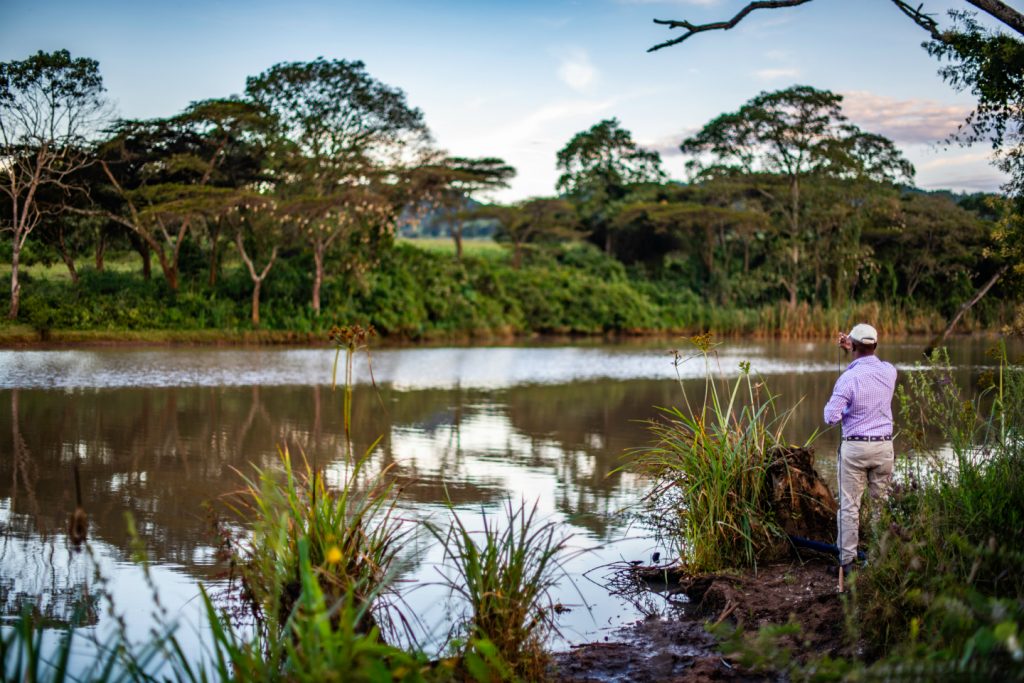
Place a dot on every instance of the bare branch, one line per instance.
(693, 29)
(1007, 15)
(923, 20)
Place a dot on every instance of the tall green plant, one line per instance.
(709, 464)
(353, 533)
(505, 574)
(943, 580)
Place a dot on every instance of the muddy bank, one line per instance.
(678, 647)
(674, 644)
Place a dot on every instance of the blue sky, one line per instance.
(518, 79)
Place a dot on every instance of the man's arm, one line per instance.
(840, 401)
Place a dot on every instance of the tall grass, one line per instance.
(709, 464)
(944, 581)
(353, 537)
(505, 574)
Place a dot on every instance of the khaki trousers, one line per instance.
(861, 463)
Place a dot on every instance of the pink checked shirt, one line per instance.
(862, 398)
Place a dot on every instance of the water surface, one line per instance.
(162, 434)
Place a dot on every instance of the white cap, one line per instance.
(864, 334)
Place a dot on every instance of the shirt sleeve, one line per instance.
(839, 402)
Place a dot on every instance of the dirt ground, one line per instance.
(679, 648)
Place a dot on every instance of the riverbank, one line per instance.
(417, 295)
(801, 596)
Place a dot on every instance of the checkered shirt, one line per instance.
(862, 398)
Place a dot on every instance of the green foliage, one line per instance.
(709, 465)
(940, 586)
(351, 536)
(505, 574)
(988, 64)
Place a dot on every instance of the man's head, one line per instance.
(864, 338)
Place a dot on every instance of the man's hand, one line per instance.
(844, 342)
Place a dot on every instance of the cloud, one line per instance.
(954, 160)
(576, 70)
(668, 145)
(537, 123)
(777, 73)
(911, 121)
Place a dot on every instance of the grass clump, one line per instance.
(505, 574)
(353, 536)
(709, 463)
(944, 584)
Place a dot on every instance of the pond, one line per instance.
(163, 434)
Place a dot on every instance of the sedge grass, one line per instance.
(505, 574)
(709, 462)
(354, 535)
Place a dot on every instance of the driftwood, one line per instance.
(802, 502)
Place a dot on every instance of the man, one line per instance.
(862, 400)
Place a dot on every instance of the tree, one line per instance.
(540, 218)
(340, 138)
(49, 104)
(168, 175)
(989, 63)
(695, 228)
(450, 184)
(598, 167)
(255, 223)
(786, 137)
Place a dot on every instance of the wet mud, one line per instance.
(676, 645)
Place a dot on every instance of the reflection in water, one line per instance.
(472, 426)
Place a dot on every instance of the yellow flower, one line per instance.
(333, 555)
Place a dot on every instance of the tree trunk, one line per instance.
(256, 303)
(12, 313)
(142, 247)
(101, 247)
(257, 279)
(966, 307)
(318, 276)
(69, 260)
(457, 236)
(214, 253)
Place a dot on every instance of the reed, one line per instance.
(505, 574)
(353, 534)
(709, 463)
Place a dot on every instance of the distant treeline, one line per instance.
(279, 208)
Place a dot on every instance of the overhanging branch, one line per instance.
(693, 29)
(1007, 15)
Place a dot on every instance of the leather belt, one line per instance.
(868, 438)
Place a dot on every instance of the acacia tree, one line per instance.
(49, 104)
(450, 184)
(539, 218)
(598, 168)
(340, 139)
(988, 63)
(694, 228)
(168, 175)
(786, 137)
(256, 224)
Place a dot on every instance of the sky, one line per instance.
(517, 80)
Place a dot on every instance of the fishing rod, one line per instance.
(839, 459)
